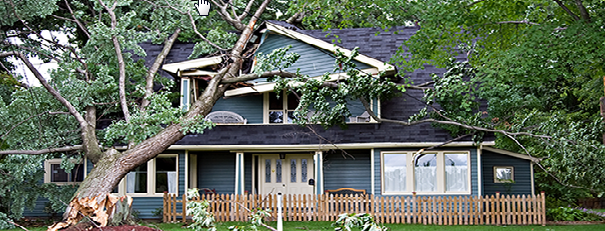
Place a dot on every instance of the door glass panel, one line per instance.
(293, 170)
(268, 171)
(303, 170)
(278, 171)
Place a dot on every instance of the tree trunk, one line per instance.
(93, 198)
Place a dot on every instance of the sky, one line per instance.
(43, 68)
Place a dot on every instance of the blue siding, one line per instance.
(216, 170)
(312, 62)
(250, 107)
(350, 170)
(248, 172)
(473, 163)
(38, 209)
(522, 174)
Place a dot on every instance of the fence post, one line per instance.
(280, 224)
(164, 212)
(184, 208)
(543, 207)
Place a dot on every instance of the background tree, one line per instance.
(534, 75)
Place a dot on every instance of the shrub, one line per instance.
(571, 214)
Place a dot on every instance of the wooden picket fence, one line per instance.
(441, 210)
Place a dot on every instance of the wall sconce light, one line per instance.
(282, 156)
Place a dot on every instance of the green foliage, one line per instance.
(202, 218)
(534, 67)
(4, 222)
(329, 104)
(363, 221)
(571, 214)
(278, 59)
(216, 36)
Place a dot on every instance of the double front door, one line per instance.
(291, 175)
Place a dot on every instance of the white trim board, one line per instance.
(190, 64)
(513, 154)
(315, 147)
(388, 68)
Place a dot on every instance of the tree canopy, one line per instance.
(534, 74)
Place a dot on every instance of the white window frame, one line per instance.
(441, 181)
(151, 178)
(48, 168)
(266, 110)
(512, 174)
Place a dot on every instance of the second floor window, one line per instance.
(281, 110)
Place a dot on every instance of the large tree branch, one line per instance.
(224, 13)
(82, 27)
(246, 11)
(121, 63)
(42, 151)
(192, 21)
(89, 139)
(583, 11)
(574, 16)
(156, 66)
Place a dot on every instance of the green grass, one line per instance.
(326, 226)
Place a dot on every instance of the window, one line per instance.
(503, 174)
(55, 174)
(280, 110)
(440, 172)
(159, 175)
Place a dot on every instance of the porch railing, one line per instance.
(441, 210)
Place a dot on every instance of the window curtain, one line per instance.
(426, 178)
(172, 182)
(395, 179)
(456, 178)
(130, 182)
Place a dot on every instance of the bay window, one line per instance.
(427, 173)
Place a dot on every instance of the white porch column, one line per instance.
(319, 173)
(239, 173)
(185, 94)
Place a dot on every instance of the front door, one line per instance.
(288, 176)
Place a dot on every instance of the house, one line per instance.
(256, 149)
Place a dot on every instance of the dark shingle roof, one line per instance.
(372, 42)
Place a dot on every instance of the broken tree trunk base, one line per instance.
(102, 210)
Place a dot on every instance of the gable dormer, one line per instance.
(256, 102)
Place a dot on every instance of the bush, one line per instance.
(572, 214)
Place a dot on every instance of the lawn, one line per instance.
(326, 226)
